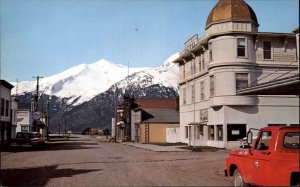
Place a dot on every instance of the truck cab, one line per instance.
(271, 160)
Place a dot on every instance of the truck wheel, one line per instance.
(238, 179)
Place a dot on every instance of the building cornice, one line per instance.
(203, 42)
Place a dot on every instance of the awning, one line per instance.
(198, 123)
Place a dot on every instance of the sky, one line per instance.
(46, 37)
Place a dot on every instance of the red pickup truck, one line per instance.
(272, 160)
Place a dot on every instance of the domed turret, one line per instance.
(231, 11)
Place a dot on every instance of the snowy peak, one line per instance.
(85, 81)
(169, 61)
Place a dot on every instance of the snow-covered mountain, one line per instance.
(83, 82)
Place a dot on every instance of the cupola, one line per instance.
(232, 11)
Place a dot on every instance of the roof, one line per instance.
(231, 10)
(6, 84)
(157, 103)
(281, 128)
(162, 116)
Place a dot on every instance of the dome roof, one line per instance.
(231, 10)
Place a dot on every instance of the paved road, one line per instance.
(84, 161)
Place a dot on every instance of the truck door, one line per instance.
(259, 160)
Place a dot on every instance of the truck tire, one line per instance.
(238, 179)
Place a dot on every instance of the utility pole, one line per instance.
(37, 91)
(36, 97)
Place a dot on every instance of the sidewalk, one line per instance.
(156, 148)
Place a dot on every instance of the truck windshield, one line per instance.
(291, 140)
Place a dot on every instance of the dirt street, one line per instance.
(84, 161)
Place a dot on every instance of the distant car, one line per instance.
(29, 138)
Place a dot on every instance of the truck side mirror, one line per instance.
(249, 137)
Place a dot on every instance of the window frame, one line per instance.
(193, 93)
(184, 96)
(211, 132)
(7, 107)
(268, 51)
(240, 47)
(212, 85)
(2, 107)
(210, 52)
(237, 87)
(284, 140)
(239, 127)
(197, 132)
(202, 90)
(183, 71)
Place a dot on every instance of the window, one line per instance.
(197, 132)
(24, 128)
(211, 132)
(241, 47)
(2, 106)
(264, 141)
(212, 86)
(202, 90)
(210, 52)
(236, 132)
(201, 130)
(202, 62)
(241, 80)
(291, 140)
(7, 108)
(267, 49)
(193, 66)
(184, 95)
(193, 93)
(183, 71)
(220, 132)
(186, 132)
(199, 62)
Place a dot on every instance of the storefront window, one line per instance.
(236, 132)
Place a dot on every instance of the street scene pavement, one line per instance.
(86, 161)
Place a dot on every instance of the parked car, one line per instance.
(272, 161)
(29, 138)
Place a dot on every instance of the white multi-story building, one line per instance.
(214, 70)
(5, 112)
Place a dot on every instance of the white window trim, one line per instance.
(246, 48)
(263, 50)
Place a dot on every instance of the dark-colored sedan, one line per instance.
(29, 138)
